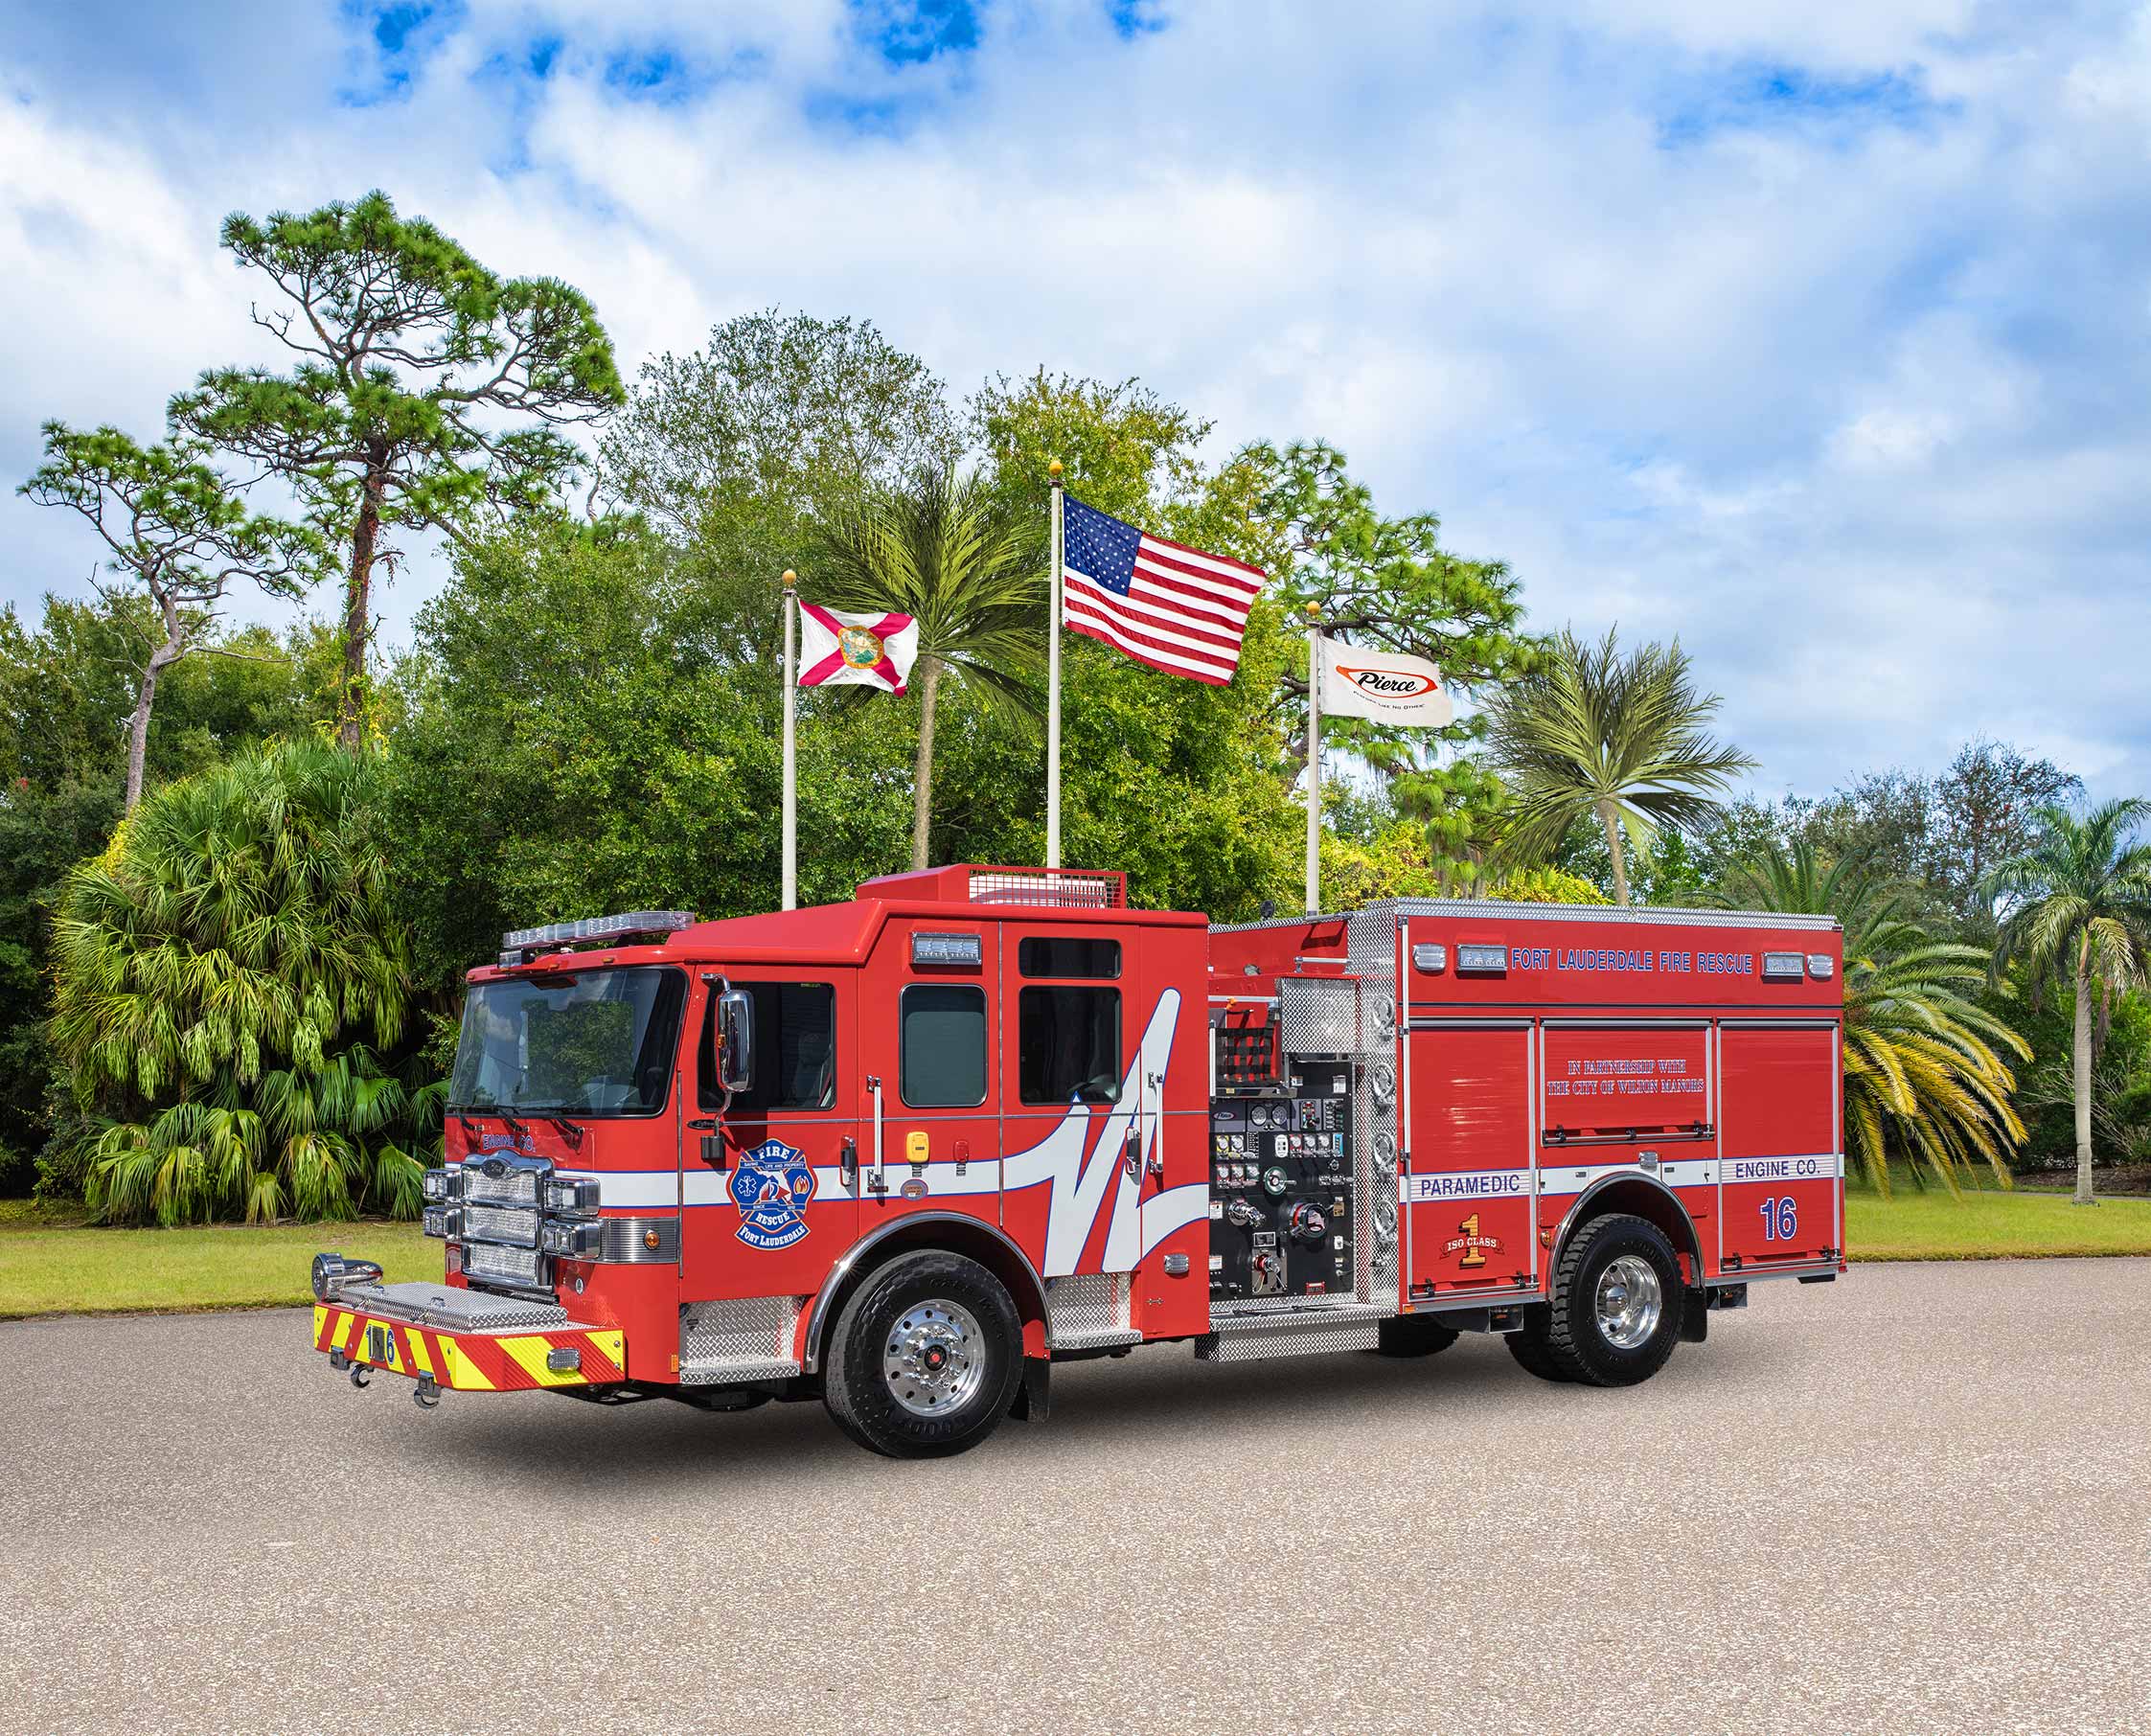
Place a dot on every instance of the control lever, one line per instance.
(1241, 1213)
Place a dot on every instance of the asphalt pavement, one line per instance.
(1915, 1501)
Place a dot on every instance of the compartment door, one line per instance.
(1781, 1165)
(1467, 1188)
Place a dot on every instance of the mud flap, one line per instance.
(1695, 1315)
(1034, 1392)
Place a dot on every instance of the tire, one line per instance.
(1413, 1336)
(925, 1332)
(1529, 1348)
(1605, 1326)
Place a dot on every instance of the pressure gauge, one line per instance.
(1273, 1183)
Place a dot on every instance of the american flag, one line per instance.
(1163, 604)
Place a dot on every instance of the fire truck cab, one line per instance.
(905, 1152)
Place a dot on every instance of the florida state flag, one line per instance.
(837, 647)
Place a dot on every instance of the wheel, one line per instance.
(1413, 1336)
(1615, 1312)
(1529, 1348)
(926, 1358)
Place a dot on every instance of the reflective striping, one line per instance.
(476, 1361)
(1577, 1178)
(1442, 1185)
(1812, 1166)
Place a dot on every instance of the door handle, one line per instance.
(847, 1163)
(879, 1184)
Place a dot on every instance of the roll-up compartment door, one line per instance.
(1780, 1167)
(1468, 1190)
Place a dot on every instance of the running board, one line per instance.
(1251, 1338)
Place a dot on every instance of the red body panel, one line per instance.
(1648, 1054)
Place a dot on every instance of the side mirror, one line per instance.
(735, 1040)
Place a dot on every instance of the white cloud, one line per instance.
(1814, 334)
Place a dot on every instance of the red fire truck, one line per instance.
(907, 1152)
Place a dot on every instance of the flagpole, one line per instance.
(790, 763)
(1053, 685)
(1313, 759)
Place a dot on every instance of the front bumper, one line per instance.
(465, 1339)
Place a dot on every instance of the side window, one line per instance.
(1068, 1044)
(794, 1050)
(941, 1062)
(1066, 956)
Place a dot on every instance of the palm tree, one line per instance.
(226, 975)
(1622, 738)
(943, 551)
(2079, 909)
(1922, 1074)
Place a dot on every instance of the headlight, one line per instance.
(563, 1193)
(572, 1239)
(443, 1220)
(443, 1184)
(499, 1223)
(524, 1266)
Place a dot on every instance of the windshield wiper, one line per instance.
(569, 1131)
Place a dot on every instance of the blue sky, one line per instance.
(1819, 337)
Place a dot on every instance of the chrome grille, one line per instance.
(504, 1178)
(500, 1224)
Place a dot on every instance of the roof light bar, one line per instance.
(598, 928)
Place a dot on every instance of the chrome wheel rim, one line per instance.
(1630, 1301)
(934, 1358)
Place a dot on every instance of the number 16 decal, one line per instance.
(1782, 1220)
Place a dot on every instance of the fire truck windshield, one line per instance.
(590, 1042)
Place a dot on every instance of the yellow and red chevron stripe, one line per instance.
(471, 1362)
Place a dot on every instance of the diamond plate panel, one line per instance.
(1318, 1016)
(744, 1338)
(1311, 1339)
(456, 1310)
(1089, 1308)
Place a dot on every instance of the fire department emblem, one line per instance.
(772, 1187)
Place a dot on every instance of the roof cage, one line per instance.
(1064, 888)
(976, 883)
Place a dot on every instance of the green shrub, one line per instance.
(229, 977)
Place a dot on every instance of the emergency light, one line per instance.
(1482, 961)
(1782, 966)
(598, 927)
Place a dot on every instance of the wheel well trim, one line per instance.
(1575, 1221)
(840, 1274)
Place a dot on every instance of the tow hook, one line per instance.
(426, 1394)
(360, 1374)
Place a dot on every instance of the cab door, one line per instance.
(930, 1096)
(776, 1207)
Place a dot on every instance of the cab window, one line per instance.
(794, 1050)
(1068, 1044)
(1066, 956)
(941, 1064)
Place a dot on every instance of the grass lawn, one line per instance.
(53, 1264)
(1988, 1224)
(49, 1265)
